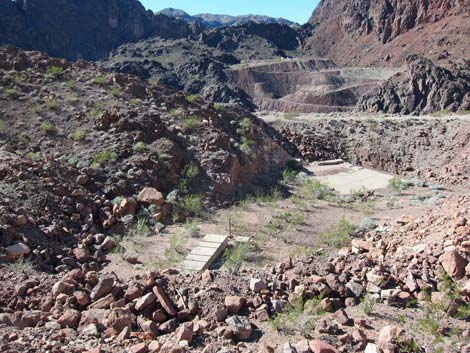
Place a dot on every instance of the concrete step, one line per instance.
(208, 250)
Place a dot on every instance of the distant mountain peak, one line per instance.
(221, 20)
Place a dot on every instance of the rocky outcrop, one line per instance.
(423, 87)
(82, 29)
(344, 28)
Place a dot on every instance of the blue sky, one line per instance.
(294, 10)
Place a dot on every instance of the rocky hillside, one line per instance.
(423, 87)
(84, 29)
(197, 65)
(74, 138)
(213, 20)
(378, 31)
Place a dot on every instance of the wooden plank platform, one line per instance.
(203, 256)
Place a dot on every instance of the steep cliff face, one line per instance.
(82, 29)
(368, 30)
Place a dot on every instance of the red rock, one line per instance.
(150, 196)
(145, 302)
(154, 346)
(81, 255)
(454, 264)
(82, 298)
(164, 300)
(103, 288)
(139, 348)
(387, 338)
(234, 304)
(160, 316)
(257, 285)
(185, 332)
(70, 318)
(302, 347)
(317, 346)
(342, 317)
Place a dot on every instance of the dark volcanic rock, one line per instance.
(422, 88)
(84, 29)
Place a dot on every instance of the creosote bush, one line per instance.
(105, 156)
(191, 98)
(140, 147)
(193, 205)
(55, 71)
(79, 134)
(47, 127)
(191, 122)
(339, 235)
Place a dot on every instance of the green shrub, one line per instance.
(55, 71)
(440, 113)
(290, 116)
(246, 124)
(247, 146)
(10, 92)
(79, 134)
(71, 84)
(191, 122)
(140, 147)
(95, 111)
(115, 91)
(368, 305)
(339, 235)
(235, 257)
(192, 98)
(99, 80)
(3, 125)
(218, 106)
(50, 104)
(47, 127)
(105, 156)
(23, 137)
(193, 204)
(396, 184)
(34, 156)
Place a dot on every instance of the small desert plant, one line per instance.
(55, 71)
(288, 175)
(115, 91)
(3, 125)
(193, 204)
(105, 156)
(48, 127)
(22, 265)
(139, 147)
(79, 134)
(368, 207)
(23, 137)
(190, 171)
(218, 106)
(142, 226)
(339, 235)
(96, 110)
(70, 84)
(10, 92)
(247, 146)
(236, 256)
(175, 250)
(37, 108)
(34, 156)
(440, 113)
(176, 112)
(191, 98)
(99, 80)
(290, 116)
(396, 184)
(50, 104)
(191, 122)
(368, 305)
(246, 124)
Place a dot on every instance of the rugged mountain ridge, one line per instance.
(84, 29)
(215, 20)
(368, 31)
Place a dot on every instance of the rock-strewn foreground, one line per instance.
(78, 142)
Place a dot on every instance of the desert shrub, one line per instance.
(175, 250)
(339, 235)
(246, 124)
(50, 104)
(290, 116)
(191, 98)
(236, 256)
(79, 134)
(99, 80)
(115, 91)
(47, 127)
(34, 156)
(218, 106)
(70, 84)
(142, 227)
(288, 175)
(22, 265)
(396, 184)
(190, 171)
(95, 111)
(440, 113)
(193, 205)
(247, 146)
(3, 125)
(23, 137)
(191, 122)
(10, 92)
(105, 156)
(55, 71)
(139, 147)
(368, 305)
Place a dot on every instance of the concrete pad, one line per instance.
(209, 249)
(349, 178)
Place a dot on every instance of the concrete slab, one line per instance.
(209, 249)
(349, 178)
